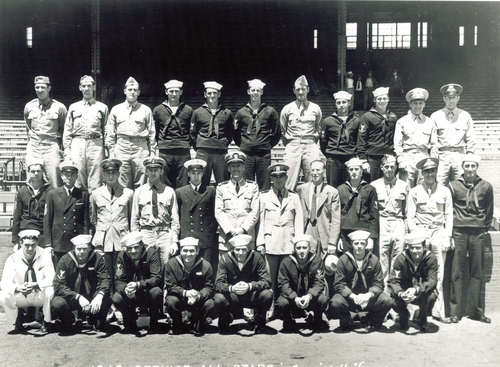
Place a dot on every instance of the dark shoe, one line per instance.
(454, 319)
(155, 329)
(260, 329)
(289, 326)
(482, 318)
(223, 329)
(373, 328)
(78, 325)
(18, 329)
(321, 326)
(424, 328)
(444, 320)
(345, 324)
(208, 321)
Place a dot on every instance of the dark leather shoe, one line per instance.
(444, 320)
(483, 318)
(454, 319)
(424, 328)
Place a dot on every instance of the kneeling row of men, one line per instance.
(81, 283)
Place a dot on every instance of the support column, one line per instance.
(95, 21)
(341, 44)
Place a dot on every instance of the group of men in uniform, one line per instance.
(148, 221)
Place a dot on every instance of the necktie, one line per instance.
(69, 195)
(359, 86)
(450, 116)
(280, 196)
(154, 201)
(313, 207)
(237, 187)
(302, 109)
(130, 108)
(112, 193)
(254, 120)
(196, 190)
(342, 131)
(30, 272)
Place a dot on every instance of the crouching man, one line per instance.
(242, 281)
(189, 284)
(413, 280)
(27, 281)
(138, 282)
(81, 284)
(359, 285)
(301, 281)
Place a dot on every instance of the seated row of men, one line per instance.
(81, 283)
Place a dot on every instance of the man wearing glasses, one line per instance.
(455, 133)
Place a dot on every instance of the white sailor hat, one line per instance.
(278, 168)
(213, 85)
(354, 162)
(359, 235)
(301, 80)
(173, 84)
(417, 93)
(416, 237)
(69, 165)
(256, 83)
(342, 95)
(195, 164)
(469, 157)
(87, 79)
(131, 81)
(331, 264)
(240, 240)
(349, 73)
(82, 239)
(35, 161)
(235, 157)
(42, 80)
(380, 92)
(189, 241)
(29, 233)
(427, 163)
(302, 238)
(131, 239)
(451, 89)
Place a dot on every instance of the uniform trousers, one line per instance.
(449, 168)
(50, 153)
(62, 310)
(424, 301)
(437, 239)
(336, 170)
(273, 263)
(12, 303)
(216, 163)
(367, 98)
(287, 308)
(375, 162)
(132, 153)
(234, 304)
(256, 165)
(110, 258)
(161, 239)
(200, 310)
(467, 241)
(88, 153)
(391, 242)
(299, 153)
(377, 308)
(152, 299)
(411, 174)
(174, 172)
